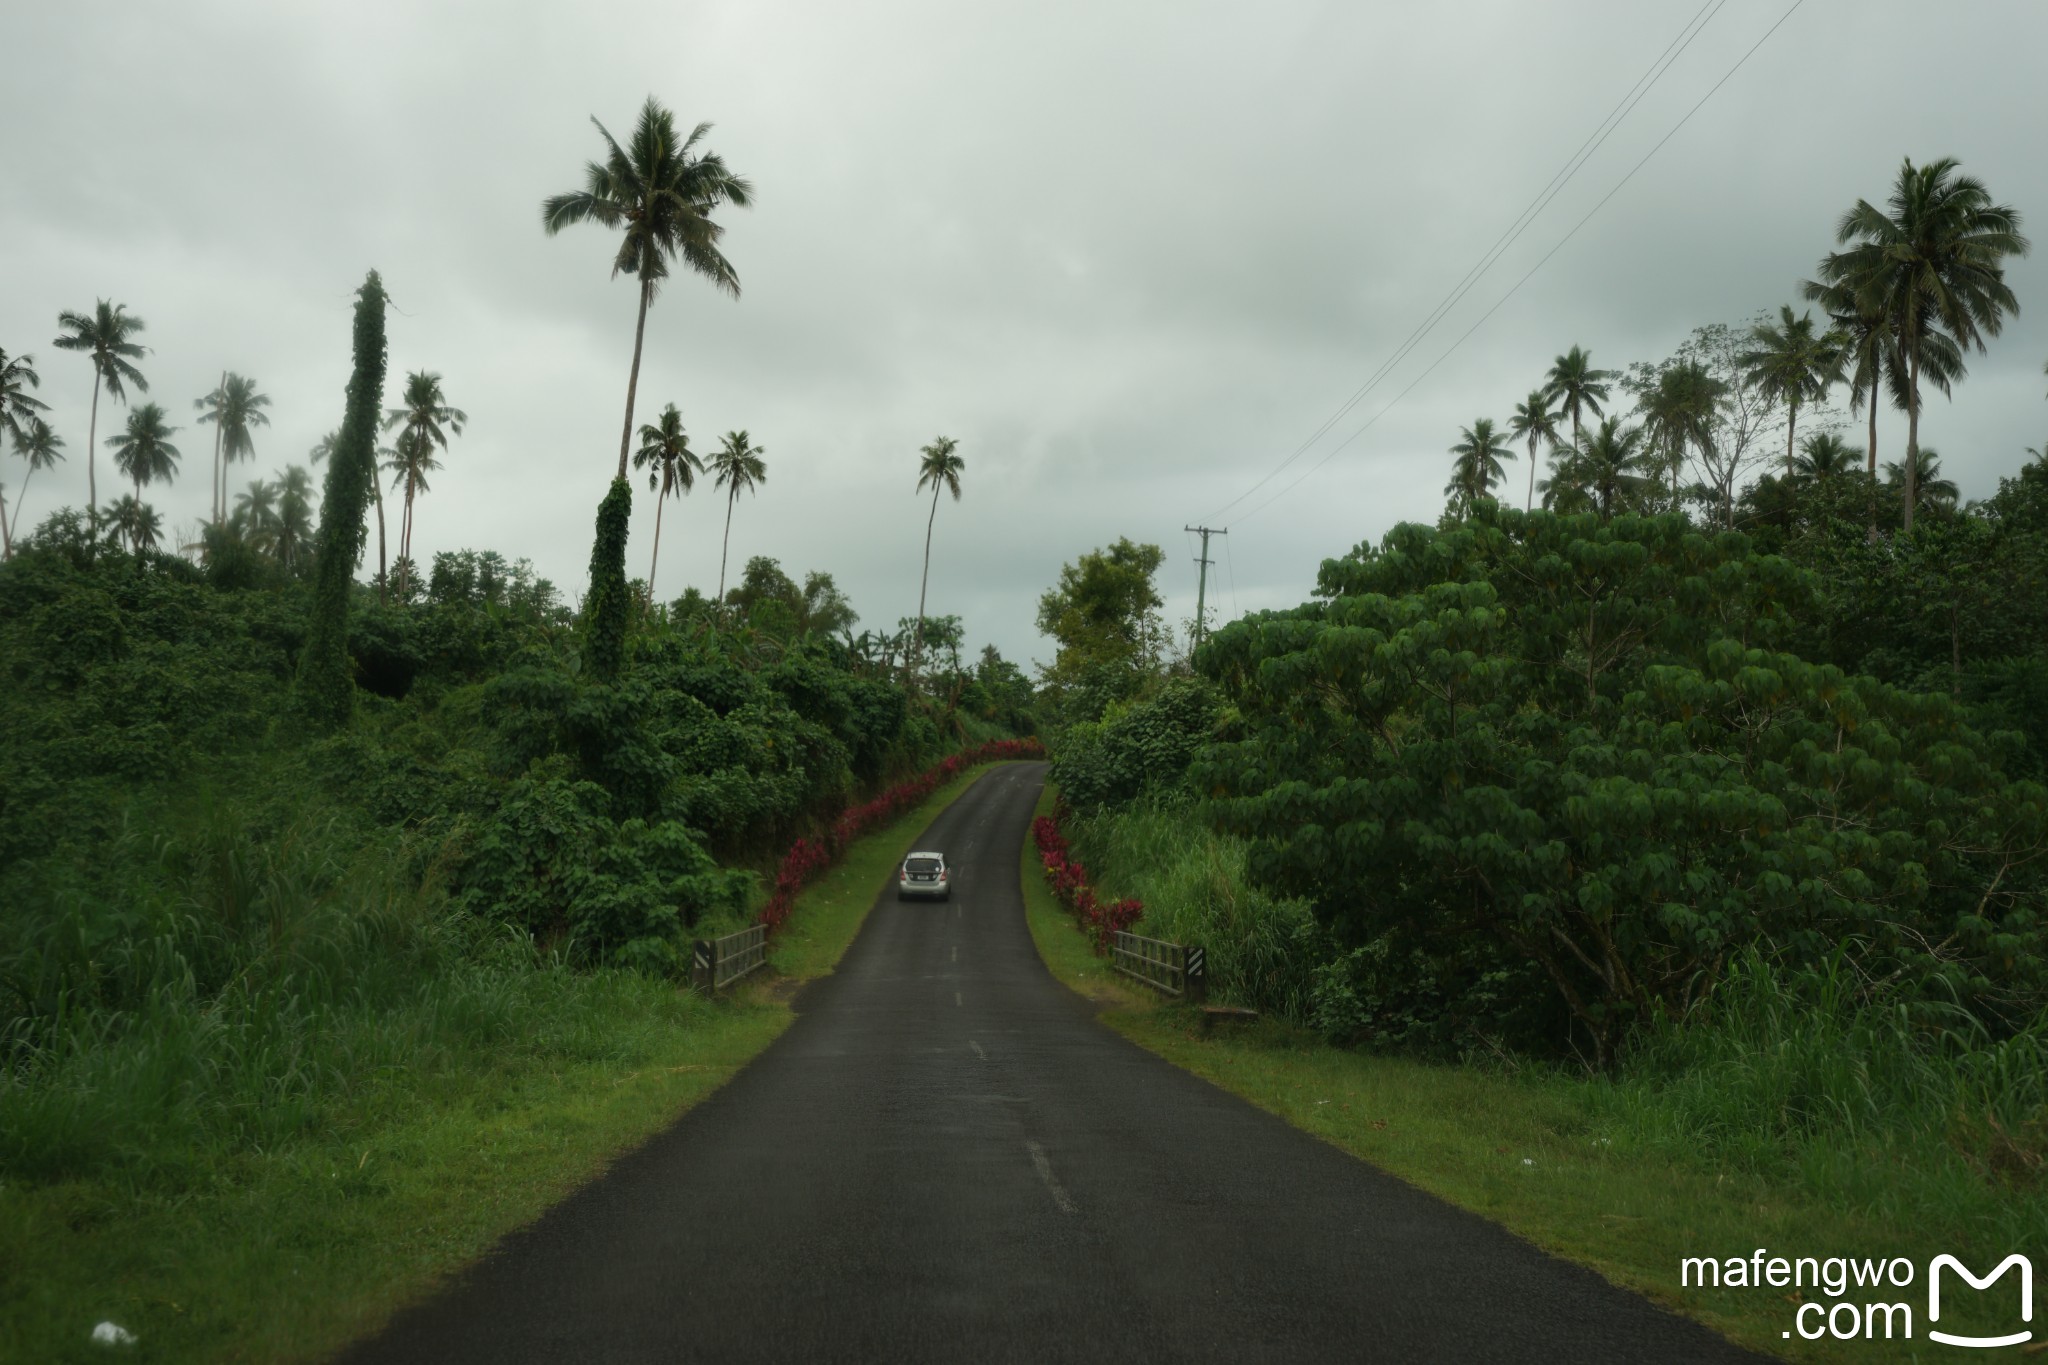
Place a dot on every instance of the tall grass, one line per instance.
(1803, 1079)
(239, 976)
(1262, 949)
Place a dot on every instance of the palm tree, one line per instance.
(1925, 479)
(737, 465)
(1534, 421)
(1478, 466)
(1609, 467)
(107, 336)
(255, 517)
(1791, 363)
(41, 447)
(1932, 263)
(1577, 388)
(662, 197)
(138, 521)
(143, 449)
(18, 411)
(1679, 412)
(233, 407)
(941, 468)
(425, 419)
(1825, 455)
(294, 515)
(672, 470)
(19, 414)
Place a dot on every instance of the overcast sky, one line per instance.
(1131, 256)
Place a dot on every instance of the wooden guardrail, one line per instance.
(1175, 968)
(718, 962)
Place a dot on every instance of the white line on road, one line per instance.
(977, 1049)
(956, 999)
(1059, 1195)
(956, 952)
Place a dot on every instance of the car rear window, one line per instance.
(923, 864)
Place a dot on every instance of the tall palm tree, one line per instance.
(941, 467)
(1611, 467)
(233, 407)
(19, 414)
(410, 460)
(1824, 456)
(425, 420)
(107, 336)
(143, 449)
(1932, 262)
(1679, 413)
(662, 198)
(18, 410)
(41, 447)
(736, 465)
(1480, 451)
(672, 470)
(1577, 388)
(1534, 421)
(1791, 363)
(294, 516)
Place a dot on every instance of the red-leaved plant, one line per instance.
(808, 859)
(1102, 919)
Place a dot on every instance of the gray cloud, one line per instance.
(1131, 255)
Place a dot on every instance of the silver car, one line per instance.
(924, 876)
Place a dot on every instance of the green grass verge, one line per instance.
(1526, 1152)
(287, 1253)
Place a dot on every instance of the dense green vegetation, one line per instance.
(1702, 807)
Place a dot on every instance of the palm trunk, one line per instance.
(1791, 426)
(655, 562)
(725, 546)
(220, 480)
(1912, 438)
(405, 542)
(18, 501)
(6, 535)
(917, 646)
(633, 379)
(377, 487)
(1876, 377)
(92, 432)
(1529, 502)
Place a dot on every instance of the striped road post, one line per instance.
(1195, 975)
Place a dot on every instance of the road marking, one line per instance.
(956, 999)
(977, 1049)
(956, 952)
(1059, 1195)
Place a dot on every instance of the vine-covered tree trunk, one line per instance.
(604, 611)
(326, 690)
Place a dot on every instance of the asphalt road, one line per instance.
(946, 1159)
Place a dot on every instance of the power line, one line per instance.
(1509, 235)
(1739, 63)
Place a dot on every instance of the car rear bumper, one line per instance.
(923, 891)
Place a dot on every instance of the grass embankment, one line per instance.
(1598, 1171)
(410, 1131)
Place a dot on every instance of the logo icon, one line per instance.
(2026, 1269)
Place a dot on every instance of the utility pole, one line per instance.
(1202, 583)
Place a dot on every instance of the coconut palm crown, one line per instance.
(736, 465)
(107, 337)
(1930, 262)
(660, 195)
(1792, 363)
